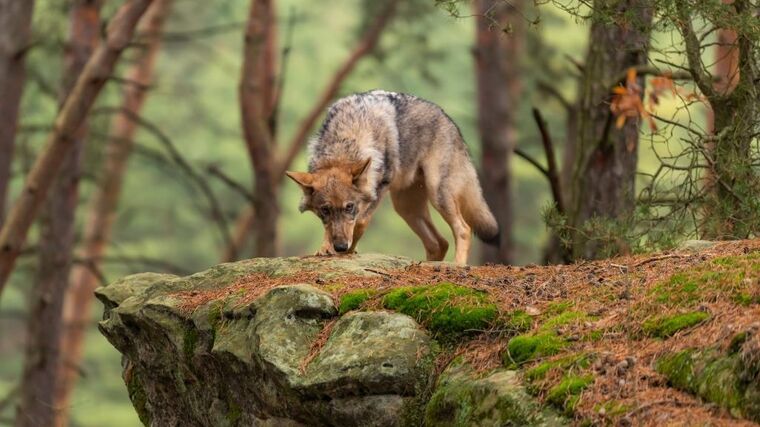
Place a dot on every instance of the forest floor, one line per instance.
(597, 331)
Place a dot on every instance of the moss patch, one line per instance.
(564, 319)
(189, 340)
(524, 348)
(354, 300)
(519, 321)
(667, 326)
(138, 397)
(544, 342)
(564, 364)
(566, 394)
(715, 377)
(613, 408)
(464, 399)
(446, 309)
(234, 413)
(722, 278)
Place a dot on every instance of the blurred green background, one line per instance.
(425, 51)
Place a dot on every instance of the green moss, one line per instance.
(558, 307)
(736, 342)
(138, 397)
(519, 321)
(524, 348)
(566, 394)
(593, 336)
(465, 399)
(722, 278)
(215, 314)
(613, 408)
(746, 299)
(234, 412)
(563, 319)
(446, 309)
(333, 287)
(189, 341)
(667, 326)
(565, 364)
(713, 376)
(353, 300)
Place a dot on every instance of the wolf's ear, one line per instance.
(358, 169)
(304, 179)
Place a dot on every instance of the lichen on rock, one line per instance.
(224, 364)
(729, 379)
(466, 398)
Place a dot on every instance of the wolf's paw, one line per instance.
(324, 251)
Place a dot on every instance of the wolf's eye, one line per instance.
(324, 210)
(350, 208)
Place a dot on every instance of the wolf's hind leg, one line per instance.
(449, 209)
(412, 205)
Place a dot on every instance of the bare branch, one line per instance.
(239, 188)
(527, 157)
(693, 50)
(552, 172)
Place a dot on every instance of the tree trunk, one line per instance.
(40, 376)
(255, 103)
(15, 27)
(736, 107)
(606, 157)
(101, 212)
(731, 211)
(59, 144)
(497, 72)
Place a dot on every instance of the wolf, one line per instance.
(376, 142)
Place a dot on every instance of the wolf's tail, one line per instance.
(477, 214)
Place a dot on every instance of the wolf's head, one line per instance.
(337, 195)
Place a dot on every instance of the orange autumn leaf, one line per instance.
(626, 101)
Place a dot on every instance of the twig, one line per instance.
(527, 157)
(552, 170)
(658, 258)
(378, 272)
(553, 91)
(284, 60)
(94, 269)
(214, 171)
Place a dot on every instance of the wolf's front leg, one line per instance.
(327, 248)
(359, 228)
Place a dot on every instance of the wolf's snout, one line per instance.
(340, 247)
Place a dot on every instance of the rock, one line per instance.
(193, 366)
(729, 379)
(695, 245)
(465, 398)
